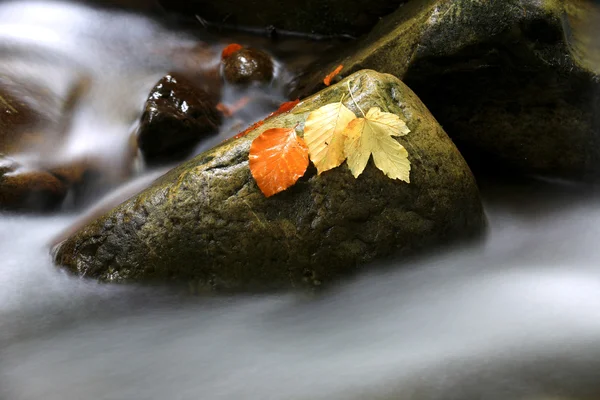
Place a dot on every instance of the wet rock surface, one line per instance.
(177, 116)
(325, 17)
(89, 179)
(248, 66)
(206, 222)
(28, 190)
(499, 77)
(20, 121)
(76, 172)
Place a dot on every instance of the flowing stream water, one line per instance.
(515, 316)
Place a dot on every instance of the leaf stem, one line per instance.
(354, 100)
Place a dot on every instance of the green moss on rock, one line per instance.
(207, 223)
(503, 78)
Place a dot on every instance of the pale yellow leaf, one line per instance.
(323, 134)
(396, 126)
(373, 135)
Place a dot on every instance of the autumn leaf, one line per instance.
(224, 109)
(283, 108)
(278, 158)
(323, 135)
(332, 74)
(228, 111)
(374, 134)
(249, 129)
(229, 50)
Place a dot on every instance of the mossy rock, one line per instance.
(207, 223)
(506, 79)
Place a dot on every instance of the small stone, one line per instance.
(246, 66)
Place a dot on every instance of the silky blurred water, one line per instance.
(106, 62)
(515, 316)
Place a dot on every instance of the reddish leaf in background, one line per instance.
(223, 109)
(283, 108)
(241, 103)
(278, 158)
(228, 111)
(333, 74)
(230, 49)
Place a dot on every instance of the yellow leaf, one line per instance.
(373, 134)
(323, 135)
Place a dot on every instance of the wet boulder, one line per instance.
(207, 223)
(504, 78)
(325, 17)
(24, 189)
(178, 115)
(247, 66)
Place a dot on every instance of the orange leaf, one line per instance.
(230, 49)
(278, 158)
(250, 128)
(333, 74)
(283, 108)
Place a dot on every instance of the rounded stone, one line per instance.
(246, 66)
(177, 116)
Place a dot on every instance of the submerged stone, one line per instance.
(207, 223)
(508, 80)
(28, 190)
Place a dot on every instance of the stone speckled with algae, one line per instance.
(207, 223)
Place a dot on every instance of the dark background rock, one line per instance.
(499, 77)
(207, 224)
(177, 116)
(325, 17)
(144, 6)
